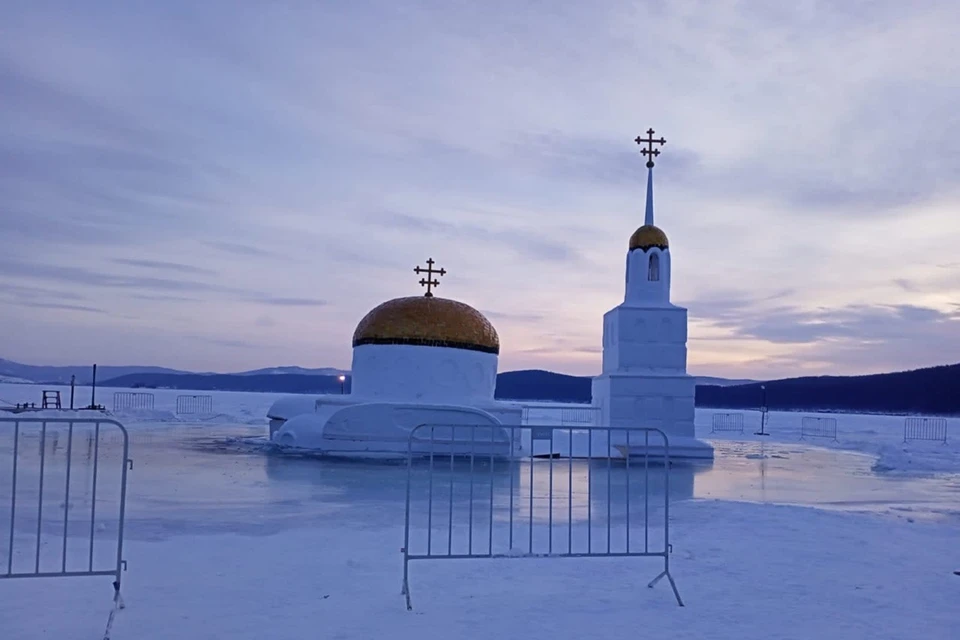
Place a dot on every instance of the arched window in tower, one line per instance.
(653, 271)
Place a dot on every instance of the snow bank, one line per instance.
(745, 571)
(229, 407)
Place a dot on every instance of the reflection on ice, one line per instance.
(227, 478)
(807, 475)
(541, 506)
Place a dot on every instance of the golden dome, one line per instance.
(427, 321)
(647, 237)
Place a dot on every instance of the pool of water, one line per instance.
(227, 478)
(788, 473)
(229, 469)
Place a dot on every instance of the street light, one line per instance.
(342, 380)
(763, 412)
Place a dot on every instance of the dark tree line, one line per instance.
(935, 390)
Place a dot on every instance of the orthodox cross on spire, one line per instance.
(650, 152)
(429, 282)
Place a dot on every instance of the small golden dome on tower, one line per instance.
(647, 237)
(427, 321)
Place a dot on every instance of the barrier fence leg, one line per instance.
(406, 588)
(673, 585)
(117, 605)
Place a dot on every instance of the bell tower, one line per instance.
(644, 382)
(648, 260)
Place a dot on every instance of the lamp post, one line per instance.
(763, 412)
(342, 380)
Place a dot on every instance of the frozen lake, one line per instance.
(227, 537)
(235, 477)
(220, 478)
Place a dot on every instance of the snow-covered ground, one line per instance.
(227, 540)
(229, 407)
(746, 572)
(13, 380)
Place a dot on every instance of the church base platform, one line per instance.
(680, 449)
(595, 443)
(385, 430)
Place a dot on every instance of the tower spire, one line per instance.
(651, 153)
(648, 213)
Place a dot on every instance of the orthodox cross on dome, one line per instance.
(429, 282)
(650, 152)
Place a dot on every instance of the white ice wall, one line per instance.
(660, 402)
(422, 374)
(639, 289)
(645, 340)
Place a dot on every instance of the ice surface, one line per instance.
(226, 538)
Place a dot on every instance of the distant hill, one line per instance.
(934, 390)
(514, 386)
(930, 390)
(722, 382)
(283, 371)
(259, 382)
(61, 375)
(535, 384)
(18, 372)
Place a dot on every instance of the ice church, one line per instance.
(416, 360)
(429, 360)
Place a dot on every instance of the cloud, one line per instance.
(845, 339)
(293, 302)
(743, 315)
(514, 317)
(82, 276)
(225, 342)
(163, 286)
(857, 323)
(93, 175)
(161, 265)
(241, 249)
(532, 244)
(503, 136)
(60, 306)
(162, 297)
(33, 292)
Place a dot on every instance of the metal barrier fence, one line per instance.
(564, 415)
(934, 429)
(135, 400)
(818, 427)
(480, 503)
(63, 472)
(579, 415)
(192, 405)
(732, 422)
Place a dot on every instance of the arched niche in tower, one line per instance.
(653, 267)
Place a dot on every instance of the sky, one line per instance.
(228, 185)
